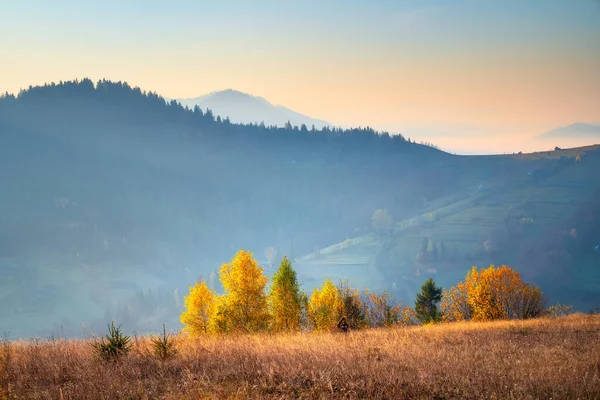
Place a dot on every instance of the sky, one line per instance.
(469, 75)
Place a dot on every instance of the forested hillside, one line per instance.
(108, 191)
(123, 164)
(106, 183)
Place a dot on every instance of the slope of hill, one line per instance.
(244, 108)
(542, 217)
(578, 130)
(108, 192)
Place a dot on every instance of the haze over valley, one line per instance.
(300, 199)
(457, 138)
(120, 199)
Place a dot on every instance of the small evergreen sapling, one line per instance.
(113, 345)
(164, 345)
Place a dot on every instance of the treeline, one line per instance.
(246, 306)
(147, 107)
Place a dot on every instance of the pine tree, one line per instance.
(285, 299)
(426, 302)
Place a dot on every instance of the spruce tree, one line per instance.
(285, 298)
(427, 301)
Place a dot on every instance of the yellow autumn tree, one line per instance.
(243, 306)
(325, 307)
(492, 293)
(455, 304)
(218, 321)
(197, 309)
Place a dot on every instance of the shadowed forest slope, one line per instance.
(109, 192)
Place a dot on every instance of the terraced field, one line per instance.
(490, 217)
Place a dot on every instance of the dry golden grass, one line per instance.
(546, 358)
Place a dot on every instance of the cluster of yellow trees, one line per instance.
(246, 306)
(492, 293)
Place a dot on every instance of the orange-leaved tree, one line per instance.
(243, 306)
(492, 293)
(455, 304)
(197, 311)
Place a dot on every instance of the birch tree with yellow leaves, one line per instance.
(325, 307)
(243, 307)
(198, 308)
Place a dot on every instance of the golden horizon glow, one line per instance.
(417, 68)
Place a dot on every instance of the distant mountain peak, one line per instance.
(578, 129)
(245, 108)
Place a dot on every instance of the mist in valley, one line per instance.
(115, 201)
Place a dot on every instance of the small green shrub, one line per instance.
(113, 345)
(164, 345)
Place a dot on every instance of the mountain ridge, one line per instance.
(575, 130)
(245, 108)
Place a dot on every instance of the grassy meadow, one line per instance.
(531, 359)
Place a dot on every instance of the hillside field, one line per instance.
(502, 210)
(544, 358)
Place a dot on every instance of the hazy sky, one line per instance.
(493, 73)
